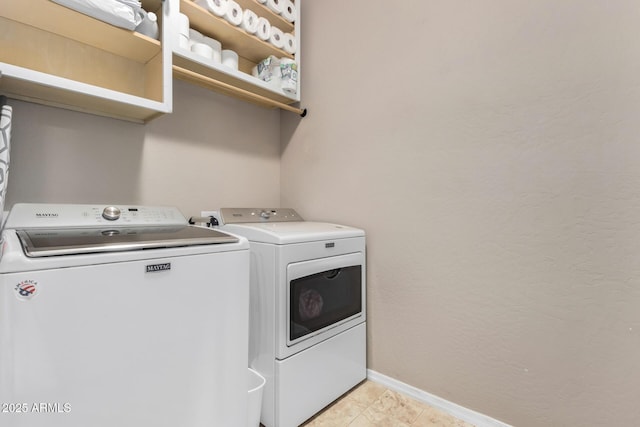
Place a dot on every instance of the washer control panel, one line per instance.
(241, 215)
(43, 215)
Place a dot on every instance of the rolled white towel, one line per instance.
(217, 7)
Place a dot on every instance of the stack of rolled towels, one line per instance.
(284, 8)
(204, 46)
(256, 25)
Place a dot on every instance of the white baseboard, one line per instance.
(460, 412)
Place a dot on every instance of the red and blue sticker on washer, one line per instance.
(26, 290)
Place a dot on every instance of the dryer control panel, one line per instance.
(243, 215)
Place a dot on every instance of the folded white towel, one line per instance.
(113, 12)
(133, 3)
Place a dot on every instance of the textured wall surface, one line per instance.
(491, 150)
(202, 156)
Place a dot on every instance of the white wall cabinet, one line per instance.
(53, 55)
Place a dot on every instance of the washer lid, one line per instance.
(72, 241)
(281, 233)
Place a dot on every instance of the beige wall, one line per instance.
(491, 150)
(212, 151)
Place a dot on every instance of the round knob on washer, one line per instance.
(111, 213)
(265, 214)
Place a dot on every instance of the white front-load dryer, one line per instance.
(307, 309)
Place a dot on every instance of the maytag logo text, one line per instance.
(158, 267)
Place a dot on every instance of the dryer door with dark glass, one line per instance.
(323, 294)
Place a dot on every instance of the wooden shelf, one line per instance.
(246, 45)
(206, 73)
(40, 88)
(227, 89)
(56, 19)
(53, 55)
(190, 61)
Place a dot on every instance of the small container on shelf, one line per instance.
(230, 59)
(149, 25)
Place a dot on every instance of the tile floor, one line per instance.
(373, 405)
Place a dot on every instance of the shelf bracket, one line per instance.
(193, 77)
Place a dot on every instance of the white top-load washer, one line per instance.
(121, 316)
(307, 312)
